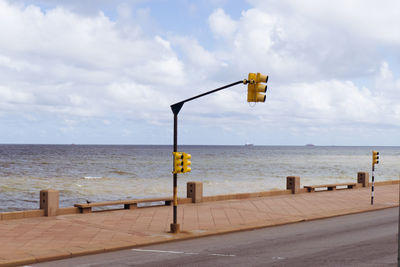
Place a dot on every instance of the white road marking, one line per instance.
(165, 251)
(180, 252)
(223, 255)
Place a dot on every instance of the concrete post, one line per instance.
(293, 183)
(49, 202)
(363, 178)
(195, 191)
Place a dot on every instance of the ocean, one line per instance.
(111, 172)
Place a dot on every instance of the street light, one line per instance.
(181, 164)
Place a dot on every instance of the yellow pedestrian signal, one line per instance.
(256, 88)
(375, 157)
(181, 162)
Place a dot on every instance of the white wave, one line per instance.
(92, 177)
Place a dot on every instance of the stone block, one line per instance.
(49, 202)
(293, 183)
(12, 215)
(363, 178)
(33, 213)
(175, 228)
(194, 190)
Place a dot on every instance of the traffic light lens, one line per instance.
(260, 98)
(261, 88)
(261, 78)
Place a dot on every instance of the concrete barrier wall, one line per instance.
(246, 195)
(49, 199)
(387, 182)
(21, 214)
(184, 200)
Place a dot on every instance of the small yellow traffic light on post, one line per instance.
(256, 87)
(182, 164)
(178, 162)
(375, 157)
(186, 162)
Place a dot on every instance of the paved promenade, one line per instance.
(24, 241)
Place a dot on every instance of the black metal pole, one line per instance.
(175, 109)
(373, 187)
(175, 225)
(213, 91)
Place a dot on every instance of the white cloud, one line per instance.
(222, 24)
(62, 62)
(327, 102)
(322, 58)
(369, 19)
(9, 96)
(305, 40)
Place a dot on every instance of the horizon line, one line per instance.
(242, 145)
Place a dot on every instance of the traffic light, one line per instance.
(375, 157)
(186, 162)
(178, 162)
(181, 162)
(256, 88)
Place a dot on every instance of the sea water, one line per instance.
(108, 172)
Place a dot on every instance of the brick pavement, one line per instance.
(24, 241)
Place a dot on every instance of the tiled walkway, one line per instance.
(24, 241)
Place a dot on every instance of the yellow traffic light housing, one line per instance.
(182, 163)
(375, 157)
(256, 88)
(178, 162)
(186, 162)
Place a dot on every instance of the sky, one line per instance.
(106, 72)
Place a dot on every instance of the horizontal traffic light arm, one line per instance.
(177, 106)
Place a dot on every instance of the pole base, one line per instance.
(175, 228)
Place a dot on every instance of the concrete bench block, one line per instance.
(363, 178)
(293, 183)
(49, 202)
(195, 191)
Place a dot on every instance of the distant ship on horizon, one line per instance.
(310, 145)
(248, 144)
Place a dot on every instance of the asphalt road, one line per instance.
(366, 239)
